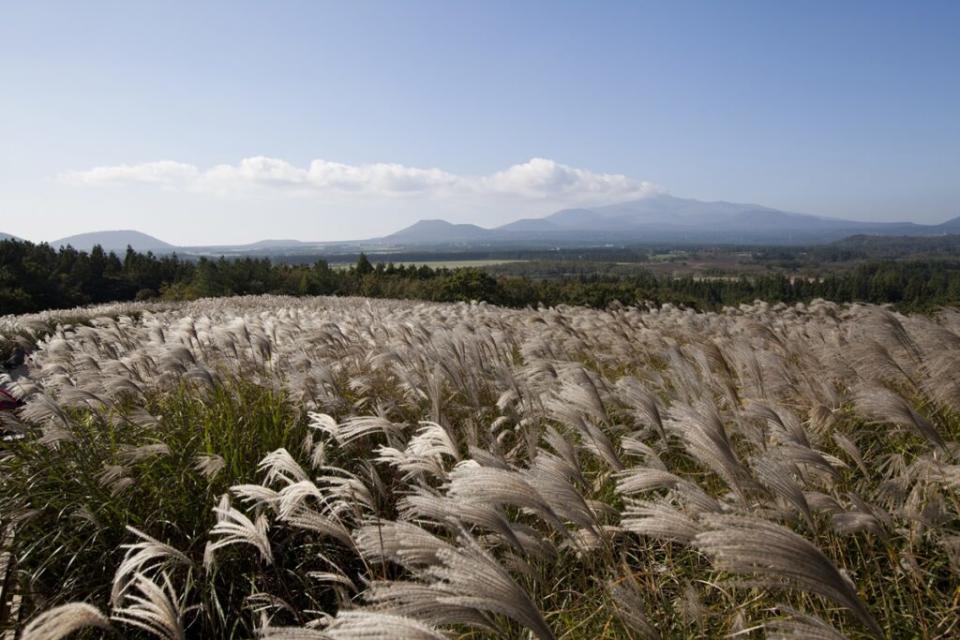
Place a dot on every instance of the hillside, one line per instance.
(468, 471)
(666, 218)
(661, 218)
(438, 232)
(116, 241)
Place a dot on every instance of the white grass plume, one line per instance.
(280, 466)
(235, 528)
(850, 448)
(133, 455)
(373, 625)
(661, 521)
(748, 545)
(424, 454)
(800, 626)
(428, 603)
(480, 582)
(256, 494)
(624, 594)
(491, 486)
(355, 428)
(148, 551)
(778, 477)
(404, 543)
(441, 509)
(642, 479)
(209, 465)
(62, 621)
(324, 423)
(884, 405)
(644, 404)
(114, 478)
(554, 481)
(706, 439)
(305, 518)
(153, 607)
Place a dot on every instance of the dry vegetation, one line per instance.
(357, 469)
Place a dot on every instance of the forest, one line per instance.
(36, 277)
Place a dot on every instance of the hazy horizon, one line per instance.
(228, 123)
(385, 232)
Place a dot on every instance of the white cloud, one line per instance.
(536, 179)
(379, 178)
(163, 172)
(539, 178)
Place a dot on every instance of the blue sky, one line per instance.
(204, 122)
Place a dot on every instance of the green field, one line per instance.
(436, 264)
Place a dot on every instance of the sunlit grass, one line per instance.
(486, 454)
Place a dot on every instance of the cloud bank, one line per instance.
(536, 179)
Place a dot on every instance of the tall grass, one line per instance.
(344, 468)
(73, 519)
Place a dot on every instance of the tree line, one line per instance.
(34, 277)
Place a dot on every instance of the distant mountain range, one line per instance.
(663, 218)
(655, 219)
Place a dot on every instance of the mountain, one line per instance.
(661, 218)
(666, 218)
(663, 212)
(950, 226)
(656, 219)
(7, 236)
(529, 224)
(116, 241)
(438, 232)
(663, 209)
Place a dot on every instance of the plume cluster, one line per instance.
(348, 468)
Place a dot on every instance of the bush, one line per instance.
(144, 295)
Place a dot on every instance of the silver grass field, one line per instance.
(352, 469)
